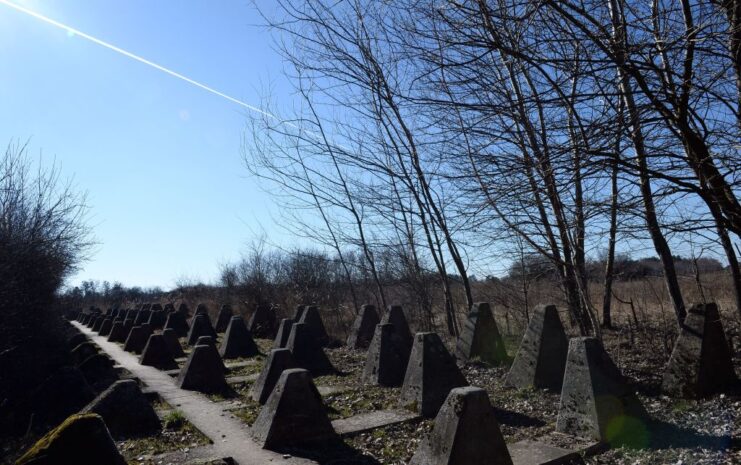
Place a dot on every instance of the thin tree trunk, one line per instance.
(636, 134)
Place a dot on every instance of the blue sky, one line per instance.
(159, 158)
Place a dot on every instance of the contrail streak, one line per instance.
(138, 58)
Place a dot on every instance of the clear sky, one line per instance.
(159, 158)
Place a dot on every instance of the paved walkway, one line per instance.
(230, 436)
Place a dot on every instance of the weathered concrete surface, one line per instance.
(465, 432)
(293, 415)
(157, 354)
(98, 371)
(480, 337)
(230, 436)
(173, 344)
(81, 439)
(176, 321)
(200, 326)
(242, 379)
(262, 322)
(105, 328)
(529, 452)
(138, 337)
(357, 424)
(278, 361)
(596, 402)
(541, 359)
(387, 358)
(363, 328)
(701, 363)
(125, 410)
(307, 351)
(209, 341)
(142, 317)
(183, 309)
(76, 340)
(237, 341)
(157, 319)
(298, 313)
(395, 316)
(223, 318)
(431, 374)
(118, 333)
(128, 324)
(203, 372)
(284, 330)
(190, 455)
(83, 351)
(98, 323)
(201, 309)
(313, 320)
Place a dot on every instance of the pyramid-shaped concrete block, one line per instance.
(83, 351)
(118, 332)
(313, 319)
(363, 328)
(596, 402)
(209, 341)
(200, 326)
(128, 324)
(203, 372)
(80, 439)
(541, 359)
(105, 328)
(701, 363)
(298, 312)
(125, 410)
(201, 309)
(395, 316)
(177, 322)
(98, 372)
(223, 318)
(91, 321)
(430, 375)
(138, 337)
(183, 309)
(465, 432)
(142, 317)
(238, 341)
(262, 323)
(307, 352)
(157, 319)
(480, 338)
(294, 415)
(98, 323)
(76, 340)
(284, 330)
(387, 358)
(157, 354)
(278, 361)
(171, 339)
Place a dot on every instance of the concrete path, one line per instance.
(231, 437)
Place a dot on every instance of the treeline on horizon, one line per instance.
(286, 278)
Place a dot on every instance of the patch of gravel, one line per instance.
(144, 450)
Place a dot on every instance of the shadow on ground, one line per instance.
(332, 453)
(511, 418)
